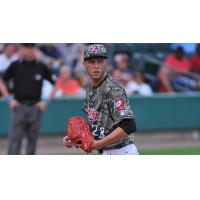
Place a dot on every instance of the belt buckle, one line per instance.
(28, 103)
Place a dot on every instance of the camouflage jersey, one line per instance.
(106, 105)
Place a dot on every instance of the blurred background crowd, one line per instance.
(141, 69)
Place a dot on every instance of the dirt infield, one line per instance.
(52, 145)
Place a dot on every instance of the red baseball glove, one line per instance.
(79, 133)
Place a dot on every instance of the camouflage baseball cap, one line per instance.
(95, 50)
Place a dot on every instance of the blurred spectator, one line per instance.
(8, 56)
(121, 62)
(66, 85)
(83, 80)
(51, 56)
(175, 73)
(71, 53)
(77, 65)
(47, 88)
(50, 50)
(196, 60)
(189, 48)
(120, 76)
(137, 85)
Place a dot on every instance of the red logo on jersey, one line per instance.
(119, 104)
(93, 115)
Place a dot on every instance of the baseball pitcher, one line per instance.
(111, 120)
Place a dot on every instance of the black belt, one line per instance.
(28, 102)
(119, 146)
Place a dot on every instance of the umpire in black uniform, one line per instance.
(26, 104)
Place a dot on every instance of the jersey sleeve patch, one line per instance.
(119, 104)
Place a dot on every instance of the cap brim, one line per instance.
(92, 57)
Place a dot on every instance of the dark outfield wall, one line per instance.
(159, 112)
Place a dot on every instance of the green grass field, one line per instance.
(161, 151)
(171, 151)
